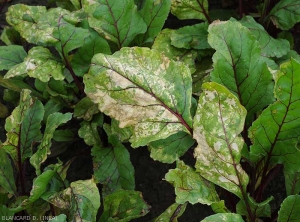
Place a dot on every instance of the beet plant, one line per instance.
(111, 74)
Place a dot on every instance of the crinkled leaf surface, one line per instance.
(10, 56)
(275, 134)
(172, 213)
(40, 64)
(112, 166)
(170, 149)
(53, 121)
(163, 44)
(23, 127)
(289, 210)
(190, 9)
(154, 14)
(81, 199)
(7, 180)
(124, 205)
(190, 186)
(142, 88)
(92, 45)
(285, 14)
(217, 124)
(239, 65)
(117, 21)
(191, 37)
(224, 217)
(270, 46)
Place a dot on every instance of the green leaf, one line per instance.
(191, 37)
(53, 121)
(6, 213)
(112, 166)
(89, 132)
(118, 21)
(275, 134)
(239, 65)
(23, 127)
(7, 180)
(142, 88)
(190, 186)
(85, 109)
(92, 45)
(270, 47)
(217, 124)
(202, 74)
(59, 218)
(123, 134)
(170, 149)
(163, 44)
(124, 205)
(10, 56)
(154, 14)
(292, 180)
(224, 217)
(172, 213)
(285, 14)
(190, 9)
(81, 199)
(25, 19)
(289, 210)
(10, 36)
(262, 209)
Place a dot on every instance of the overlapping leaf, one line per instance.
(124, 205)
(23, 127)
(53, 121)
(289, 210)
(285, 14)
(292, 180)
(270, 47)
(7, 180)
(217, 124)
(172, 213)
(117, 21)
(275, 134)
(10, 56)
(154, 14)
(40, 64)
(170, 149)
(190, 186)
(190, 9)
(163, 44)
(142, 88)
(224, 217)
(112, 165)
(191, 37)
(239, 65)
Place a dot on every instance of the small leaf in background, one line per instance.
(123, 134)
(10, 36)
(202, 74)
(289, 210)
(292, 180)
(3, 111)
(124, 205)
(40, 64)
(190, 9)
(85, 109)
(140, 87)
(170, 149)
(10, 56)
(270, 47)
(54, 120)
(7, 180)
(190, 186)
(239, 65)
(163, 44)
(92, 45)
(89, 131)
(217, 124)
(117, 21)
(224, 217)
(112, 165)
(172, 213)
(275, 133)
(191, 37)
(285, 14)
(262, 209)
(154, 14)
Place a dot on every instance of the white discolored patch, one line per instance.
(30, 65)
(217, 145)
(210, 95)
